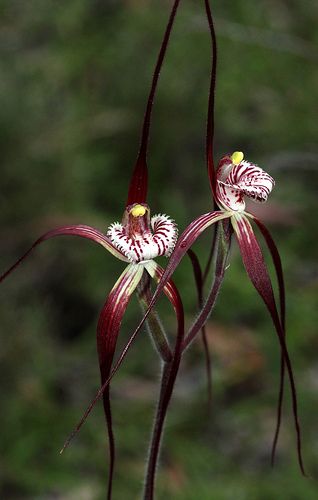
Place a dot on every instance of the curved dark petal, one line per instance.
(139, 182)
(257, 271)
(281, 288)
(75, 230)
(107, 333)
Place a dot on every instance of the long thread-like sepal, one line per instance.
(172, 294)
(281, 288)
(139, 182)
(87, 232)
(257, 271)
(107, 333)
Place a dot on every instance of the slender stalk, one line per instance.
(153, 323)
(212, 254)
(169, 374)
(197, 271)
(170, 369)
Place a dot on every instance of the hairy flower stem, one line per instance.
(170, 369)
(169, 374)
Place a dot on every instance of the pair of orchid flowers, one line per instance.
(140, 238)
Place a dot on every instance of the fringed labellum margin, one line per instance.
(141, 239)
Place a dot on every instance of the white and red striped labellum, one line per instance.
(140, 238)
(237, 178)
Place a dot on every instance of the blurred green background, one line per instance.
(74, 81)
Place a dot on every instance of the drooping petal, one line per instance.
(139, 182)
(281, 288)
(277, 264)
(75, 230)
(173, 295)
(257, 271)
(107, 333)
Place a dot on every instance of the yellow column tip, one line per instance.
(138, 211)
(237, 157)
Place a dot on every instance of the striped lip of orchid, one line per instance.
(141, 239)
(237, 178)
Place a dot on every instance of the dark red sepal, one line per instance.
(138, 186)
(107, 333)
(173, 295)
(257, 271)
(281, 288)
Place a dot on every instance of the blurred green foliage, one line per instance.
(74, 82)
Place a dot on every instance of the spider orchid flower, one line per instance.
(137, 241)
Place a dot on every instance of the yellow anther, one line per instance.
(237, 157)
(138, 211)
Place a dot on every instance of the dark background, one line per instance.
(73, 86)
